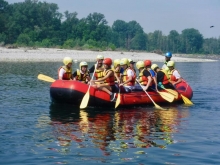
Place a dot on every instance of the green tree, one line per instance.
(191, 41)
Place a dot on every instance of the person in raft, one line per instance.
(162, 77)
(147, 64)
(116, 69)
(131, 65)
(144, 77)
(65, 72)
(128, 76)
(82, 74)
(174, 74)
(109, 80)
(168, 56)
(98, 67)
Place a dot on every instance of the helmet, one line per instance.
(107, 61)
(116, 62)
(67, 60)
(131, 61)
(147, 63)
(168, 54)
(140, 64)
(171, 63)
(100, 57)
(154, 66)
(166, 69)
(124, 61)
(83, 63)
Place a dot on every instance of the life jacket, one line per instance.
(110, 80)
(99, 72)
(117, 72)
(68, 73)
(165, 77)
(81, 77)
(125, 78)
(143, 79)
(171, 76)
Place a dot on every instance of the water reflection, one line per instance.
(115, 131)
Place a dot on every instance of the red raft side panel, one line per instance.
(70, 91)
(185, 89)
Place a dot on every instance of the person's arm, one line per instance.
(61, 72)
(178, 77)
(148, 83)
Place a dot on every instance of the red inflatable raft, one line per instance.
(63, 91)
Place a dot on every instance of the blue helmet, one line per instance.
(168, 54)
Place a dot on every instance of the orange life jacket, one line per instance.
(125, 78)
(110, 80)
(99, 72)
(68, 73)
(143, 79)
(165, 77)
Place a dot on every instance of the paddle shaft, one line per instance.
(149, 96)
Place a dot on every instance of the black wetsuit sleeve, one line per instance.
(74, 74)
(160, 76)
(91, 70)
(146, 73)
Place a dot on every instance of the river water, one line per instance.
(34, 131)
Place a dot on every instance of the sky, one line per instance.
(164, 15)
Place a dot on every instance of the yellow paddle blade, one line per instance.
(118, 100)
(186, 100)
(85, 100)
(175, 93)
(158, 107)
(167, 96)
(45, 78)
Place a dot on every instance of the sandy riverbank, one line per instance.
(52, 54)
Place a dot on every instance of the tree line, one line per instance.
(34, 23)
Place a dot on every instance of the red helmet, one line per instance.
(107, 61)
(147, 63)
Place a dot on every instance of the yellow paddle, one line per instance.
(118, 99)
(166, 96)
(157, 106)
(86, 97)
(175, 93)
(45, 78)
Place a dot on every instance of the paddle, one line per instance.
(157, 106)
(118, 99)
(86, 97)
(175, 93)
(185, 99)
(45, 78)
(166, 96)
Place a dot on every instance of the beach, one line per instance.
(56, 55)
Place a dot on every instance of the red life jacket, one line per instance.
(68, 73)
(125, 78)
(111, 79)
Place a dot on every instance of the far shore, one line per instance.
(57, 55)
